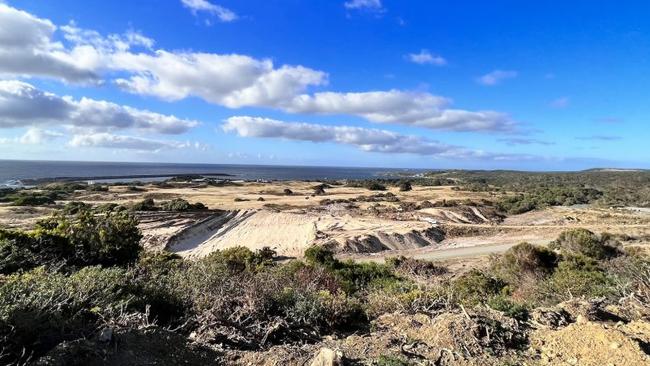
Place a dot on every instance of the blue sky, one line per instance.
(545, 85)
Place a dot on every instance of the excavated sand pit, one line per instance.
(291, 233)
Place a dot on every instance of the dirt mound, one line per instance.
(463, 214)
(459, 335)
(588, 344)
(392, 241)
(159, 228)
(289, 233)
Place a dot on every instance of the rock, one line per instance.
(328, 357)
(551, 317)
(106, 335)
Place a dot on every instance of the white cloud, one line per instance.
(23, 105)
(27, 49)
(35, 136)
(223, 14)
(229, 80)
(425, 57)
(560, 103)
(106, 140)
(371, 140)
(496, 77)
(394, 106)
(373, 5)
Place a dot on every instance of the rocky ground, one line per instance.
(572, 333)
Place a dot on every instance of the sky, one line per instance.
(535, 85)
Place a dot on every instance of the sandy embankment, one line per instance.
(290, 234)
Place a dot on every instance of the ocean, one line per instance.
(18, 172)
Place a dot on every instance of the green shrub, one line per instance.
(509, 307)
(181, 205)
(405, 186)
(585, 242)
(112, 238)
(39, 309)
(392, 361)
(317, 254)
(414, 267)
(524, 260)
(26, 250)
(96, 188)
(135, 188)
(238, 259)
(476, 287)
(146, 204)
(374, 186)
(577, 276)
(74, 207)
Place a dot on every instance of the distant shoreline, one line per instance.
(33, 181)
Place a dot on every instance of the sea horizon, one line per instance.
(14, 172)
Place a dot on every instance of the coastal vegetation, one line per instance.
(82, 271)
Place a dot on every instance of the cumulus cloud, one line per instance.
(425, 57)
(223, 14)
(394, 106)
(107, 140)
(372, 140)
(496, 77)
(27, 49)
(35, 136)
(229, 80)
(23, 105)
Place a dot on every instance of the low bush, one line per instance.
(547, 196)
(28, 197)
(576, 276)
(585, 242)
(476, 287)
(39, 309)
(181, 205)
(412, 267)
(405, 186)
(524, 261)
(147, 204)
(97, 188)
(82, 239)
(239, 259)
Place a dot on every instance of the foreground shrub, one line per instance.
(524, 261)
(320, 255)
(476, 287)
(86, 238)
(585, 242)
(109, 239)
(40, 309)
(576, 276)
(288, 302)
(238, 259)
